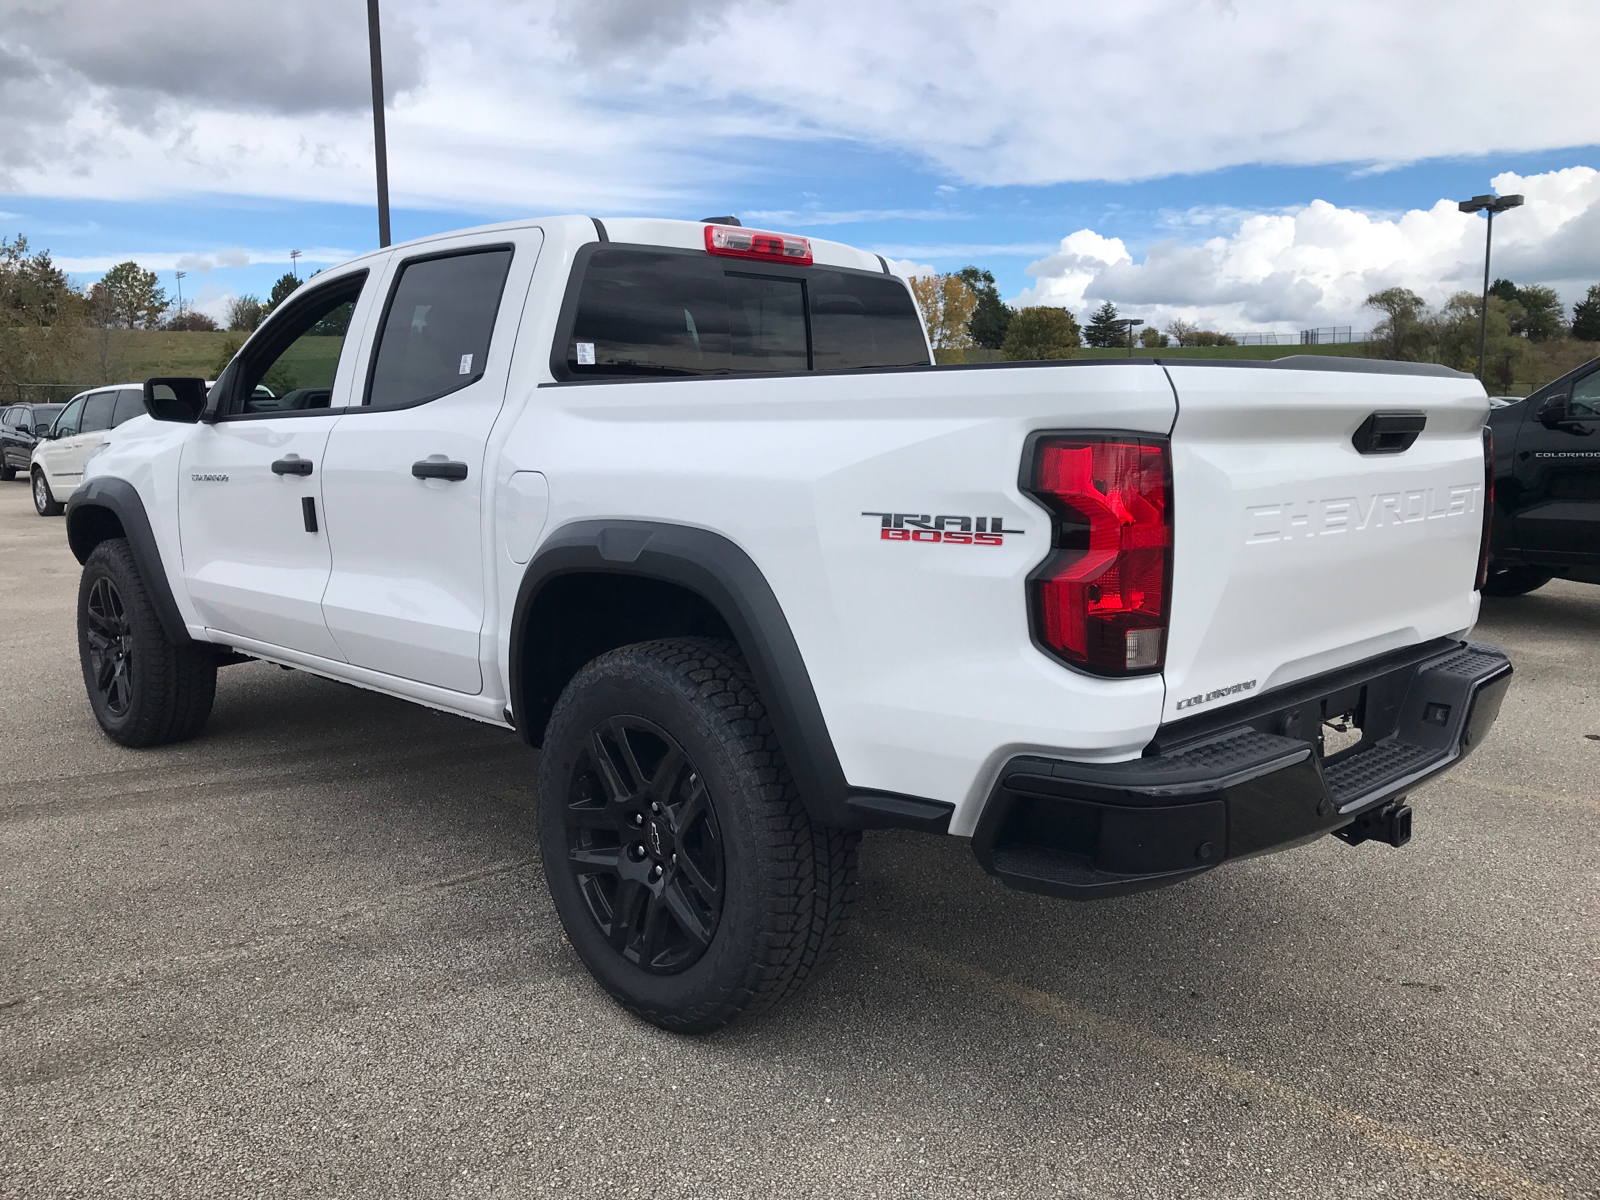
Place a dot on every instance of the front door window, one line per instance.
(294, 368)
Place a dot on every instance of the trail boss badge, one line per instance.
(947, 530)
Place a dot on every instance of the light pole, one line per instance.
(294, 262)
(1128, 323)
(379, 143)
(1490, 205)
(179, 275)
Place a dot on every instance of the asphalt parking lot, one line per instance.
(310, 954)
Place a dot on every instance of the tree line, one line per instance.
(963, 310)
(1527, 327)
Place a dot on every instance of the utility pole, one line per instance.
(1490, 205)
(379, 142)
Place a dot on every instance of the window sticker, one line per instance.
(466, 365)
(586, 354)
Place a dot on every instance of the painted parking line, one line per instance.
(1469, 1168)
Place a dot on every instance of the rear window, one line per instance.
(662, 312)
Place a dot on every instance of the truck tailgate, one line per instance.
(1296, 554)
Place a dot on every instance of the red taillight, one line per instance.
(1100, 601)
(752, 243)
(1488, 506)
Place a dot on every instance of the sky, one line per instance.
(1244, 164)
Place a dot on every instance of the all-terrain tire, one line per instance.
(7, 472)
(1514, 581)
(44, 501)
(144, 690)
(787, 882)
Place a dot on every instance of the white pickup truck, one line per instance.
(689, 506)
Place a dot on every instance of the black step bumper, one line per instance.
(1244, 781)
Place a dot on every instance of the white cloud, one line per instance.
(613, 105)
(178, 260)
(909, 268)
(1316, 266)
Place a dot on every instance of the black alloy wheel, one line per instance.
(644, 846)
(144, 689)
(110, 637)
(685, 870)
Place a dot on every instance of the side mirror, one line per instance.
(175, 398)
(1556, 411)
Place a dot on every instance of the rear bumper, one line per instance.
(1248, 780)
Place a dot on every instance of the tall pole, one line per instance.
(1483, 317)
(378, 140)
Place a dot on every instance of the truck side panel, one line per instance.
(836, 485)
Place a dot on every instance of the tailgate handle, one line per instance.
(1388, 432)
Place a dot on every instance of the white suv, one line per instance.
(58, 459)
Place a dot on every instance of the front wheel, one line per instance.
(7, 471)
(1514, 581)
(683, 866)
(144, 690)
(43, 502)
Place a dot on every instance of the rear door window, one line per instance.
(645, 311)
(130, 403)
(97, 412)
(436, 331)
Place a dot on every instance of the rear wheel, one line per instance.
(43, 501)
(683, 865)
(144, 690)
(1514, 581)
(7, 471)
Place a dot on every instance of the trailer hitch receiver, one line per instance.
(1389, 822)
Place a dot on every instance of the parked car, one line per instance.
(21, 427)
(56, 464)
(690, 507)
(1547, 485)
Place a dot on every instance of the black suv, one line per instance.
(21, 427)
(1547, 485)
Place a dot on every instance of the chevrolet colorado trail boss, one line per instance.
(689, 506)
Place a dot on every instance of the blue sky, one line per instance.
(937, 134)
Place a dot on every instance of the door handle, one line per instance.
(292, 466)
(434, 469)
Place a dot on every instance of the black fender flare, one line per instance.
(725, 577)
(87, 528)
